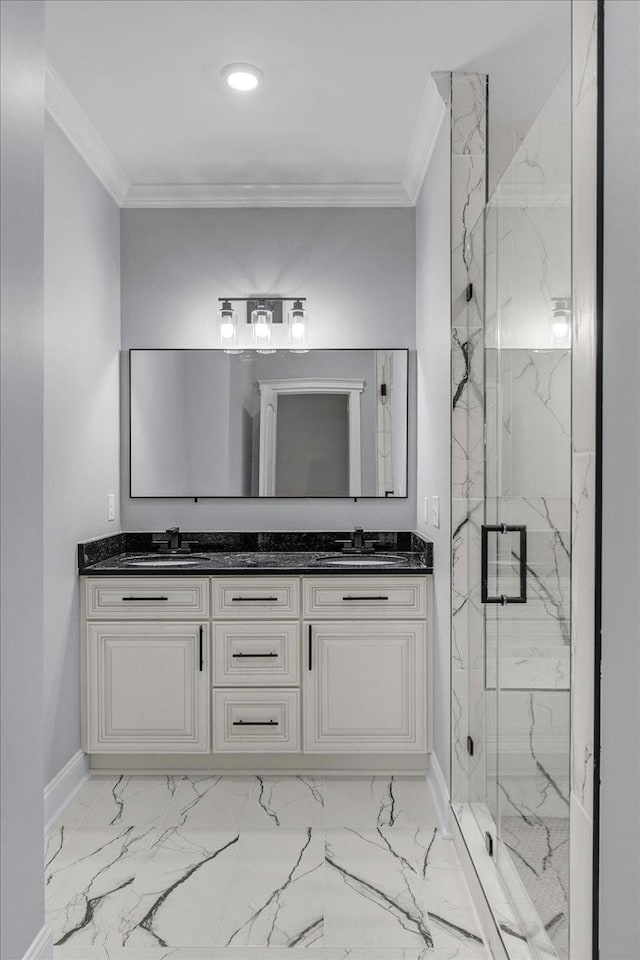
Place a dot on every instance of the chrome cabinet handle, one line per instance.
(310, 647)
(201, 632)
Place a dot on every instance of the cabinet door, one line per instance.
(148, 688)
(365, 687)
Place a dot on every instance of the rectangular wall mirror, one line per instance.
(325, 423)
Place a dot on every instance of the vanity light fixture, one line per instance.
(269, 326)
(243, 77)
(261, 323)
(228, 328)
(298, 328)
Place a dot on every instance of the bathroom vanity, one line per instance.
(243, 660)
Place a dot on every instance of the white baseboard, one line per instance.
(440, 795)
(42, 946)
(64, 786)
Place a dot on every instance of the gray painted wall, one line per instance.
(433, 326)
(357, 268)
(81, 413)
(21, 375)
(620, 770)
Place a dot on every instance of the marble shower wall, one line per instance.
(528, 405)
(468, 198)
(585, 28)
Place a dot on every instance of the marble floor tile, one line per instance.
(277, 890)
(377, 801)
(133, 801)
(285, 802)
(253, 953)
(217, 868)
(132, 953)
(208, 803)
(75, 812)
(70, 819)
(373, 894)
(86, 885)
(178, 894)
(453, 921)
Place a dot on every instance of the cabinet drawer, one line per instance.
(146, 598)
(258, 598)
(256, 721)
(361, 597)
(261, 654)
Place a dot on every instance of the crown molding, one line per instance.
(65, 110)
(62, 107)
(267, 195)
(430, 117)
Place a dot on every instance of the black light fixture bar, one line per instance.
(259, 299)
(275, 304)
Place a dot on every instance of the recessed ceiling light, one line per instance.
(242, 76)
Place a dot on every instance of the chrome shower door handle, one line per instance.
(504, 528)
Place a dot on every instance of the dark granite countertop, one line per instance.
(225, 564)
(224, 553)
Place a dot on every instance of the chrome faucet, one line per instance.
(357, 543)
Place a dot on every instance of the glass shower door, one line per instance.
(525, 538)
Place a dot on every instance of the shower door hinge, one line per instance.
(470, 746)
(488, 840)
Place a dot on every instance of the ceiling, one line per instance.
(345, 113)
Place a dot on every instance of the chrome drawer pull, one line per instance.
(365, 598)
(256, 723)
(254, 656)
(145, 598)
(254, 599)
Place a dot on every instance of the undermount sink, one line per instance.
(362, 560)
(168, 560)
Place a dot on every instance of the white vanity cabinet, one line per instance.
(366, 668)
(365, 687)
(256, 665)
(146, 661)
(147, 687)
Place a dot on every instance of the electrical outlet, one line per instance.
(111, 506)
(435, 511)
(427, 515)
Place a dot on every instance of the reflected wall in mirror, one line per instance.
(325, 423)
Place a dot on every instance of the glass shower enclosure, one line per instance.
(511, 543)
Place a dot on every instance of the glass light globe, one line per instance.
(560, 329)
(297, 329)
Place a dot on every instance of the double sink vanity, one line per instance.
(222, 651)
